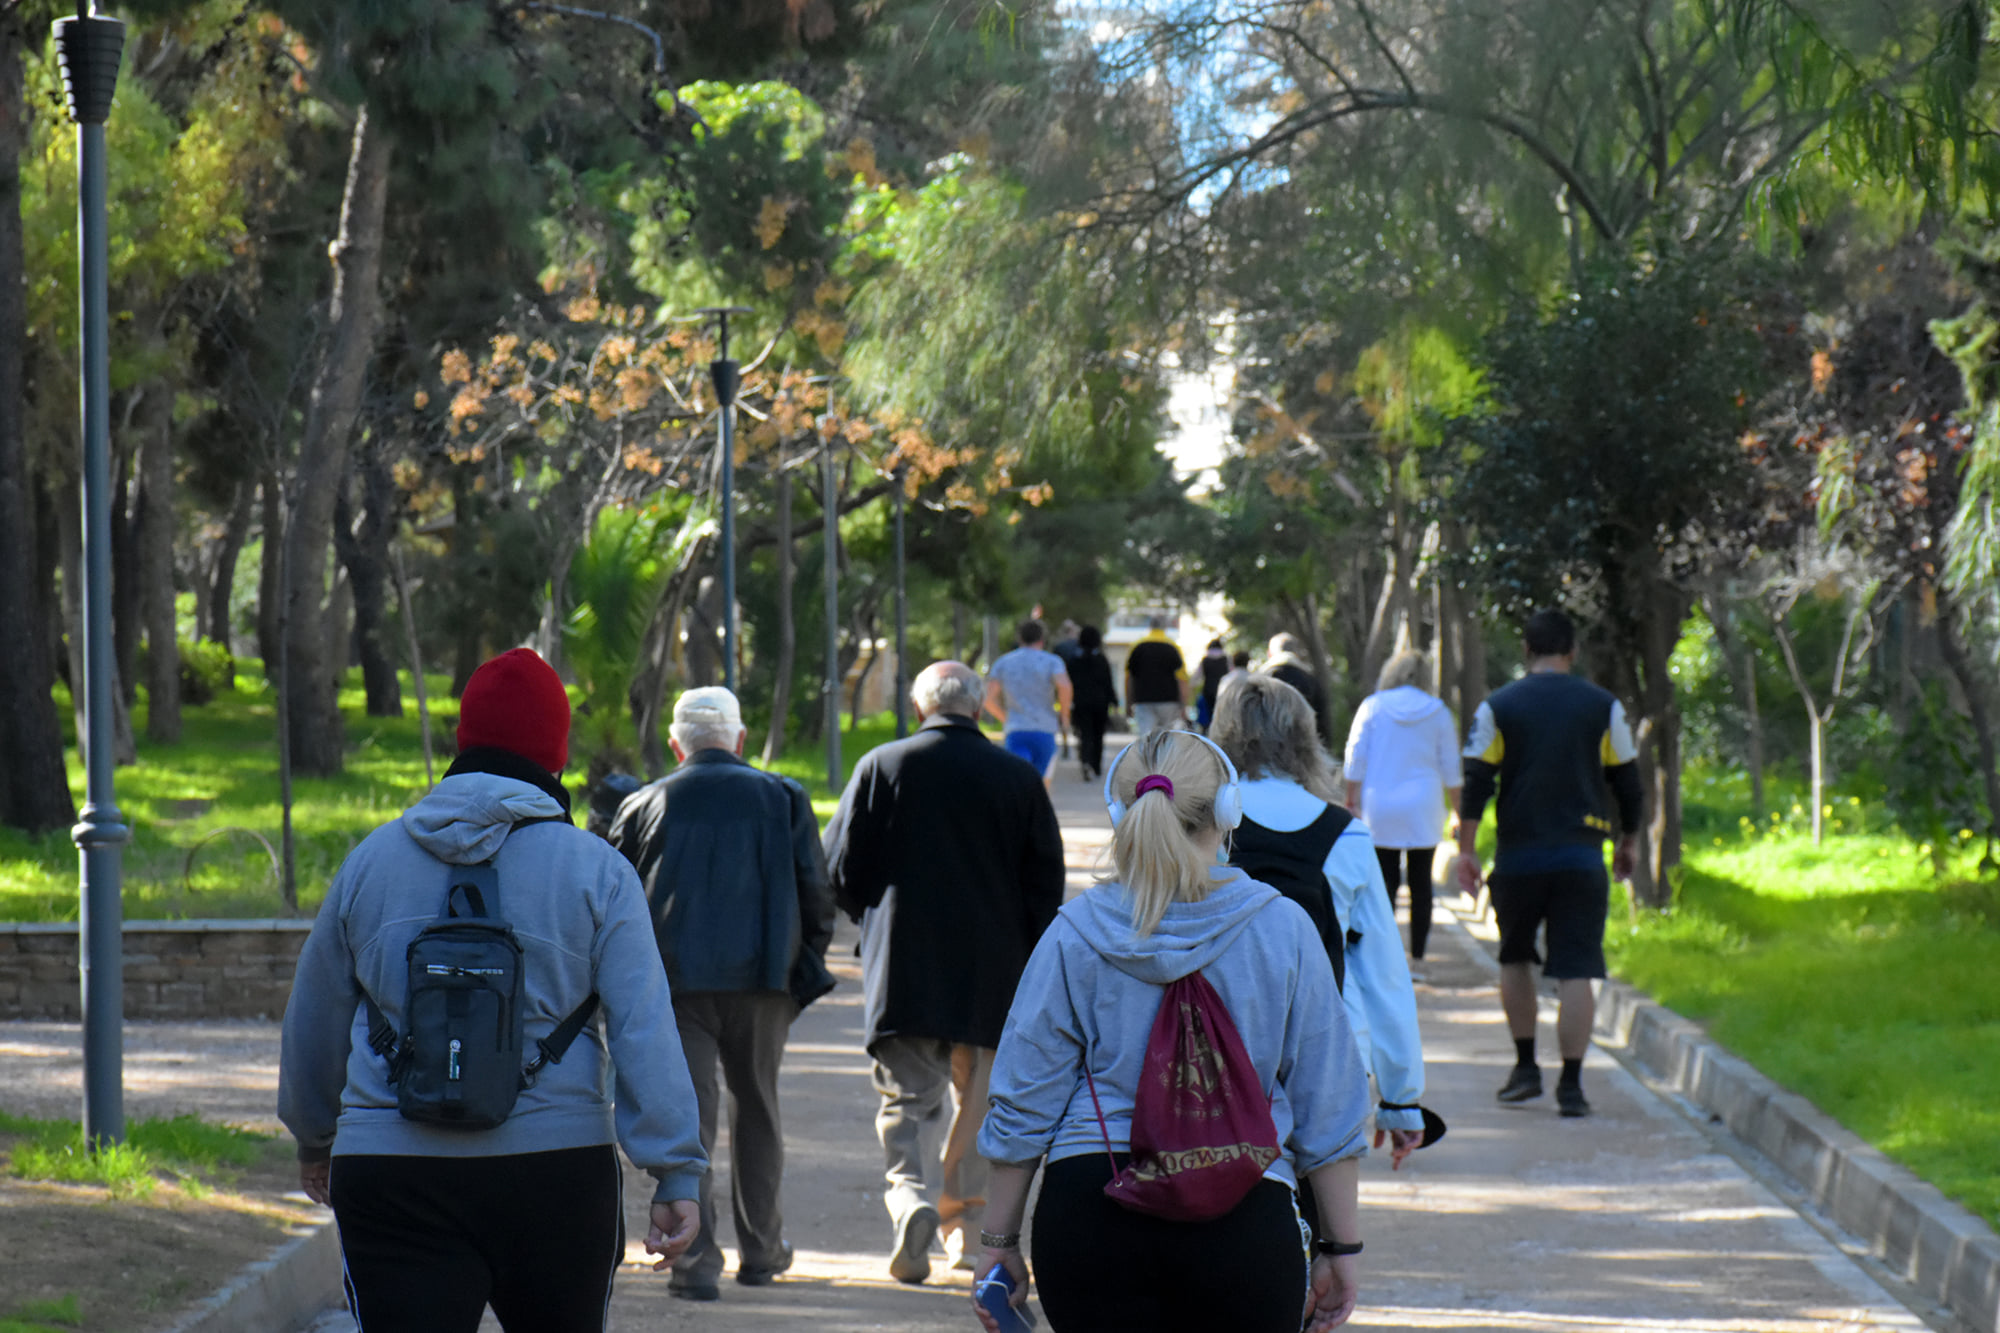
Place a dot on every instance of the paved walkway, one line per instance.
(1628, 1221)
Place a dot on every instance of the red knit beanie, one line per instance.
(517, 703)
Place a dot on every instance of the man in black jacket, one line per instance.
(946, 849)
(731, 862)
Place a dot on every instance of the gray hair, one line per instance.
(1283, 645)
(948, 687)
(691, 736)
(1408, 667)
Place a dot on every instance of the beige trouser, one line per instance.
(743, 1034)
(916, 1076)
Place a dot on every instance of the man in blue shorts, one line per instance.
(1559, 750)
(1028, 691)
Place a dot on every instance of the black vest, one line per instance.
(1294, 864)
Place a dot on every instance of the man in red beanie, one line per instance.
(437, 1223)
(516, 704)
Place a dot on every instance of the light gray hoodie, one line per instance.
(1092, 990)
(576, 906)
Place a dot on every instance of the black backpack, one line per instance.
(458, 1063)
(1294, 864)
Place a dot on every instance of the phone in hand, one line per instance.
(995, 1291)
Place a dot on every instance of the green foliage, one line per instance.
(61, 1310)
(1612, 436)
(207, 670)
(751, 208)
(1931, 783)
(615, 584)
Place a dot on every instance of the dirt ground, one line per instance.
(136, 1264)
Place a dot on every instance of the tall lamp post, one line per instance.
(902, 620)
(829, 498)
(726, 376)
(89, 49)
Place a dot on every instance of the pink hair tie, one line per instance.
(1153, 782)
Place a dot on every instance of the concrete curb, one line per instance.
(1939, 1249)
(300, 1280)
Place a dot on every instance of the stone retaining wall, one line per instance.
(173, 969)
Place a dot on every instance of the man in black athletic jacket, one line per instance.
(1553, 744)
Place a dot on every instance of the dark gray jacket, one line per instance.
(730, 860)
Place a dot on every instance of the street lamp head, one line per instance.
(89, 49)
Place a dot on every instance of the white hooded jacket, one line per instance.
(1403, 750)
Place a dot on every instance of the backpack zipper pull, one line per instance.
(451, 1070)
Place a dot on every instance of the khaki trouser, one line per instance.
(914, 1076)
(744, 1033)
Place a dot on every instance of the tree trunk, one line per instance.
(364, 551)
(1393, 603)
(69, 517)
(1742, 665)
(222, 579)
(1660, 610)
(864, 638)
(355, 311)
(781, 687)
(34, 791)
(269, 593)
(155, 572)
(704, 649)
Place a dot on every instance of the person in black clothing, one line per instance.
(1214, 666)
(731, 862)
(946, 849)
(1156, 683)
(1288, 662)
(1066, 647)
(1553, 745)
(1096, 696)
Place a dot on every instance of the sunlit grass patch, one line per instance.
(193, 1153)
(1847, 972)
(48, 1316)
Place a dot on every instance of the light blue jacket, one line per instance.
(1091, 992)
(576, 907)
(1381, 1001)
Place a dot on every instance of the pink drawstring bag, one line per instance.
(1202, 1131)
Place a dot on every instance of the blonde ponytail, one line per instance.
(1153, 848)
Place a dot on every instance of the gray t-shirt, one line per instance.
(1027, 679)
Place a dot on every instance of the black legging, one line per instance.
(1418, 877)
(1101, 1268)
(1090, 726)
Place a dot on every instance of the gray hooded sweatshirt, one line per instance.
(1091, 992)
(576, 906)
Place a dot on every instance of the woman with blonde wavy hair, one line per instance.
(1297, 836)
(1081, 1019)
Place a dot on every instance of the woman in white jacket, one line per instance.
(1402, 769)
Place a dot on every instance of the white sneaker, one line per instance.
(957, 1256)
(911, 1262)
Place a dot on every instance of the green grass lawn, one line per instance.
(215, 796)
(1847, 972)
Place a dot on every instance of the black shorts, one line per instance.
(1572, 902)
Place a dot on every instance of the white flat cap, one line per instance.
(710, 707)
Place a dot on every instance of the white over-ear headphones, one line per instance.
(1228, 797)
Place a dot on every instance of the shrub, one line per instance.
(207, 669)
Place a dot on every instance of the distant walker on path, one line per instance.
(1028, 692)
(946, 849)
(731, 863)
(1156, 681)
(1552, 743)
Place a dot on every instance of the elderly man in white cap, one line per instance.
(731, 861)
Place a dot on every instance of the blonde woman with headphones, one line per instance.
(1066, 1078)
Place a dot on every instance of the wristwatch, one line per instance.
(1339, 1249)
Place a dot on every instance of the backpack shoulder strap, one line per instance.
(553, 1047)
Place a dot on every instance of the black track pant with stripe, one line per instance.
(429, 1242)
